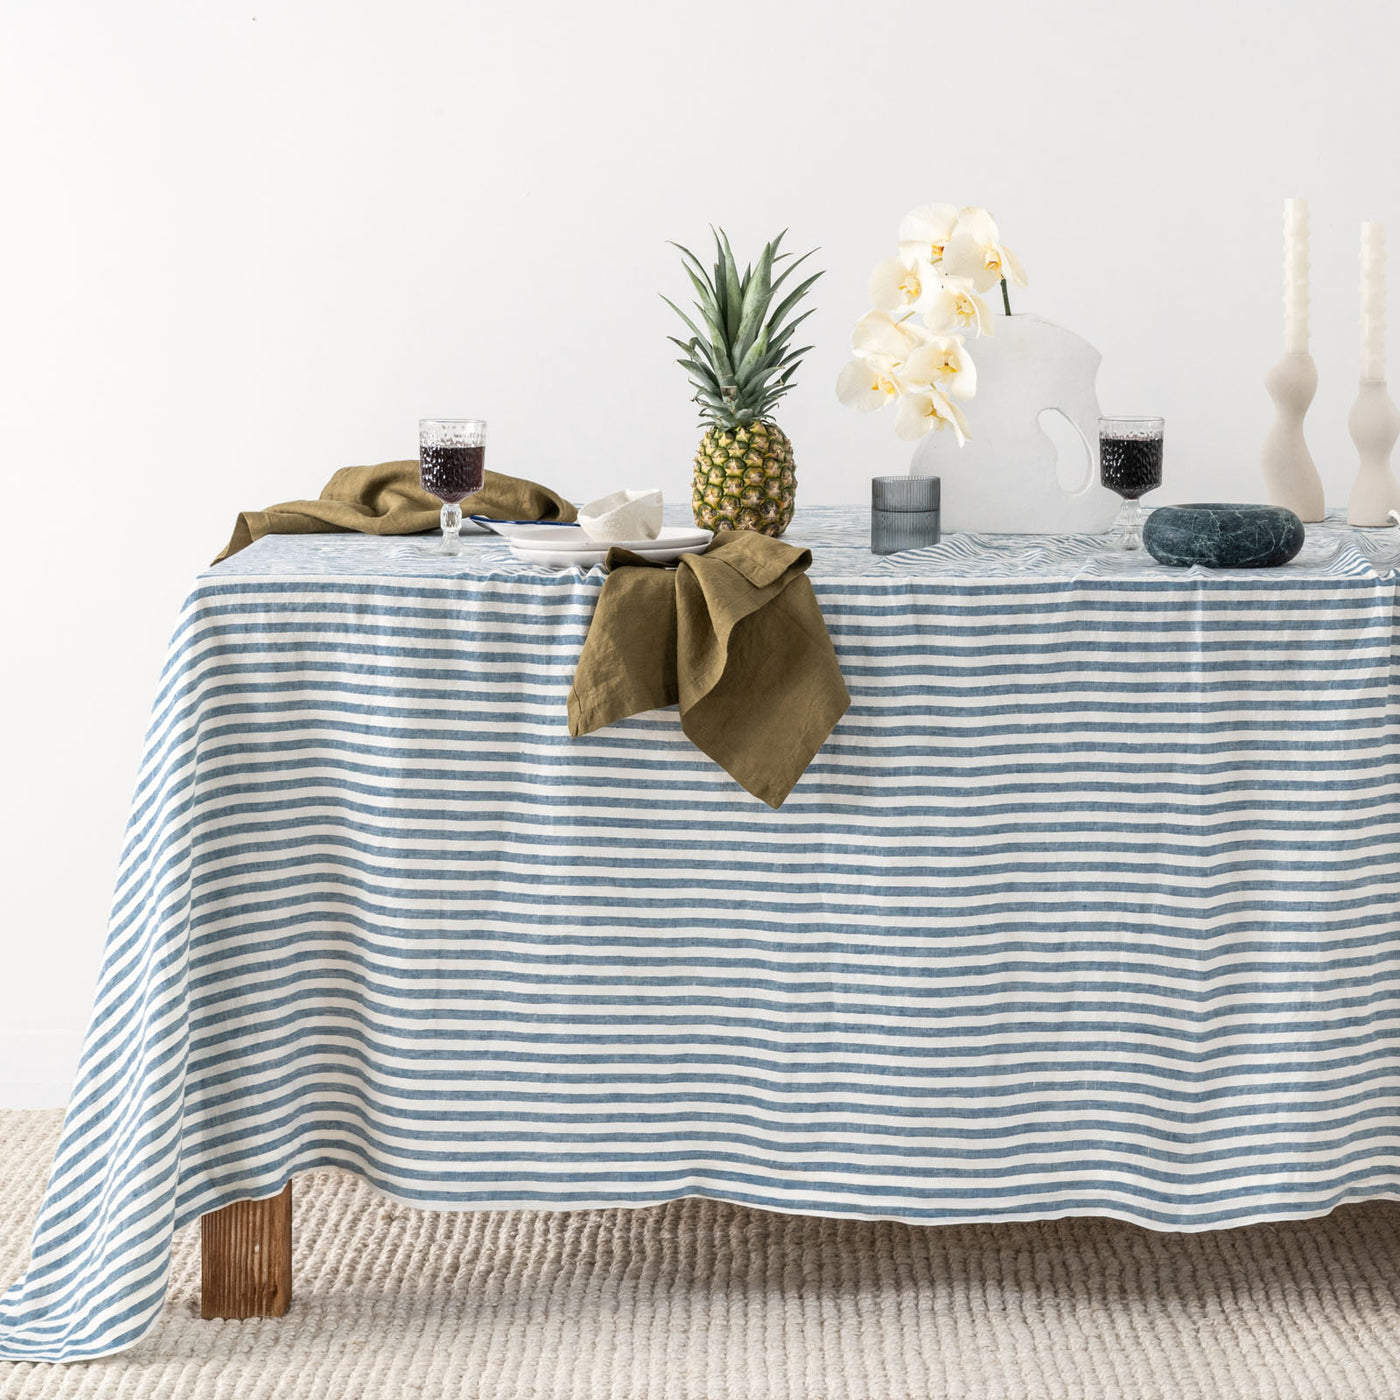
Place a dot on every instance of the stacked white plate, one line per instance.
(563, 546)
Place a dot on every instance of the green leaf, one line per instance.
(699, 268)
(777, 392)
(796, 321)
(696, 348)
(784, 382)
(715, 341)
(719, 351)
(768, 363)
(789, 302)
(733, 296)
(788, 364)
(756, 300)
(721, 282)
(779, 342)
(791, 268)
(704, 299)
(701, 372)
(694, 328)
(754, 353)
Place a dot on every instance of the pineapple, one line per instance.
(740, 366)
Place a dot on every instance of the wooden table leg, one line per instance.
(247, 1258)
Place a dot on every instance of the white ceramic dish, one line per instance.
(564, 549)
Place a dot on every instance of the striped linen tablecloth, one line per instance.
(1088, 906)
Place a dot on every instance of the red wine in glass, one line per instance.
(451, 466)
(449, 473)
(1130, 465)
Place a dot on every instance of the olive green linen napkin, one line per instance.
(735, 637)
(387, 500)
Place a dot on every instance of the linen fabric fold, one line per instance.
(736, 638)
(386, 499)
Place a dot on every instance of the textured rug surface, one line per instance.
(705, 1301)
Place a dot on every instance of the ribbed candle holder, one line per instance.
(904, 512)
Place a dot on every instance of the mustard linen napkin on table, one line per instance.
(387, 500)
(735, 637)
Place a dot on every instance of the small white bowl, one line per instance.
(623, 515)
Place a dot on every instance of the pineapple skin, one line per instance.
(744, 479)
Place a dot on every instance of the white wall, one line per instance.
(242, 245)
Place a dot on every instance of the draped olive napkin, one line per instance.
(387, 500)
(735, 636)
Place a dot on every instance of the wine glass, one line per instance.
(1130, 465)
(451, 465)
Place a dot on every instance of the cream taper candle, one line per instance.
(1373, 301)
(1295, 276)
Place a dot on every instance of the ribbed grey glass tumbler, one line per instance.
(904, 512)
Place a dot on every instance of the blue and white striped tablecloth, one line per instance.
(1089, 906)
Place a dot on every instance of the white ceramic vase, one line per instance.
(1375, 426)
(1006, 477)
(1290, 476)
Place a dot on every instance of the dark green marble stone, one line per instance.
(1223, 536)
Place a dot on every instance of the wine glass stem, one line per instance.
(1130, 525)
(451, 518)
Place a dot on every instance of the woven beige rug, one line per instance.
(702, 1301)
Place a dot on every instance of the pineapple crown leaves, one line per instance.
(740, 363)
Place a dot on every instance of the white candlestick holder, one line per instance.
(1374, 424)
(1290, 475)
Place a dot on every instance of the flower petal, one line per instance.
(953, 307)
(924, 231)
(913, 418)
(957, 422)
(863, 387)
(917, 413)
(923, 369)
(977, 224)
(893, 286)
(940, 311)
(966, 258)
(942, 366)
(878, 334)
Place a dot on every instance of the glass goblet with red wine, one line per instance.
(1130, 465)
(451, 466)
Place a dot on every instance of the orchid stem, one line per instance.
(1005, 297)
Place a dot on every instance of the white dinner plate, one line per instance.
(519, 529)
(564, 548)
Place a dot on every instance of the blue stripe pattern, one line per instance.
(1088, 906)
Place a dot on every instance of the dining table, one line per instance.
(1089, 905)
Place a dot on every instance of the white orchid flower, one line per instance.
(897, 286)
(975, 251)
(881, 339)
(923, 233)
(950, 306)
(919, 412)
(866, 385)
(943, 365)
